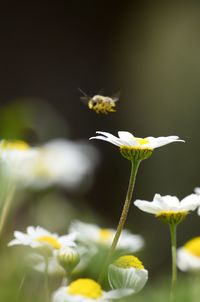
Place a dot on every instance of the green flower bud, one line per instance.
(68, 257)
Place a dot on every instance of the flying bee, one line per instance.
(100, 103)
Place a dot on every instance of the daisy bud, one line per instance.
(68, 258)
(127, 272)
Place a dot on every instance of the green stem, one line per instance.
(46, 280)
(134, 168)
(6, 208)
(174, 269)
(20, 287)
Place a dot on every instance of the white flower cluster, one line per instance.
(74, 252)
(68, 164)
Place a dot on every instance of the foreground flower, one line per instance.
(133, 147)
(41, 239)
(127, 272)
(94, 235)
(87, 290)
(169, 208)
(188, 256)
(171, 211)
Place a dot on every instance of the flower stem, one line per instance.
(6, 208)
(174, 269)
(134, 168)
(46, 280)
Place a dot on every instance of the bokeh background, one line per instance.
(149, 52)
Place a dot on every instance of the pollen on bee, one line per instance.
(102, 104)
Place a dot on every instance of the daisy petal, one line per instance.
(126, 136)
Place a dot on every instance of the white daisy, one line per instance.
(61, 162)
(169, 207)
(88, 290)
(127, 272)
(39, 238)
(188, 256)
(15, 156)
(93, 234)
(126, 139)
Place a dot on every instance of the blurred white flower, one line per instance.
(168, 207)
(15, 156)
(127, 272)
(87, 290)
(126, 139)
(188, 256)
(38, 263)
(46, 247)
(61, 162)
(39, 238)
(94, 235)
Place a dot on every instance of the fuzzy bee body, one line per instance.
(100, 103)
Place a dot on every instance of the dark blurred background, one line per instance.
(147, 50)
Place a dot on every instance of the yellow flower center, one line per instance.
(14, 145)
(105, 234)
(129, 261)
(193, 246)
(142, 141)
(49, 240)
(86, 288)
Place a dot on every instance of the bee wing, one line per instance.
(85, 98)
(101, 92)
(116, 96)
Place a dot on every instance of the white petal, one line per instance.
(190, 202)
(130, 242)
(126, 136)
(107, 134)
(197, 190)
(14, 242)
(22, 238)
(118, 293)
(167, 202)
(115, 142)
(147, 206)
(161, 141)
(186, 261)
(127, 278)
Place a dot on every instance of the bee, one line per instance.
(100, 103)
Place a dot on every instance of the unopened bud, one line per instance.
(68, 258)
